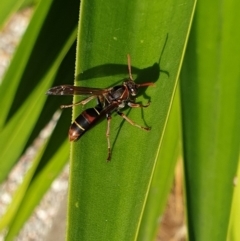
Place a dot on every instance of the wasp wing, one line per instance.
(75, 90)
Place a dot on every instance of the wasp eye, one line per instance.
(133, 92)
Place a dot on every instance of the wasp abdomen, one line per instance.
(83, 122)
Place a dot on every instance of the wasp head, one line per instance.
(132, 87)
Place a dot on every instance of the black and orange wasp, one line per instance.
(109, 100)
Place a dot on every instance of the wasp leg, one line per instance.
(108, 135)
(82, 102)
(135, 105)
(132, 122)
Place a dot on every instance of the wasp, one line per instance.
(109, 100)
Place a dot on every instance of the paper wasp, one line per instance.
(108, 101)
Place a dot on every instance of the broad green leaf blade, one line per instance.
(163, 175)
(211, 113)
(106, 200)
(34, 66)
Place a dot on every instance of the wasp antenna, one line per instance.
(129, 67)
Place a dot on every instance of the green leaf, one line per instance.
(32, 71)
(12, 209)
(107, 200)
(233, 232)
(163, 175)
(45, 55)
(210, 100)
(48, 165)
(7, 8)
